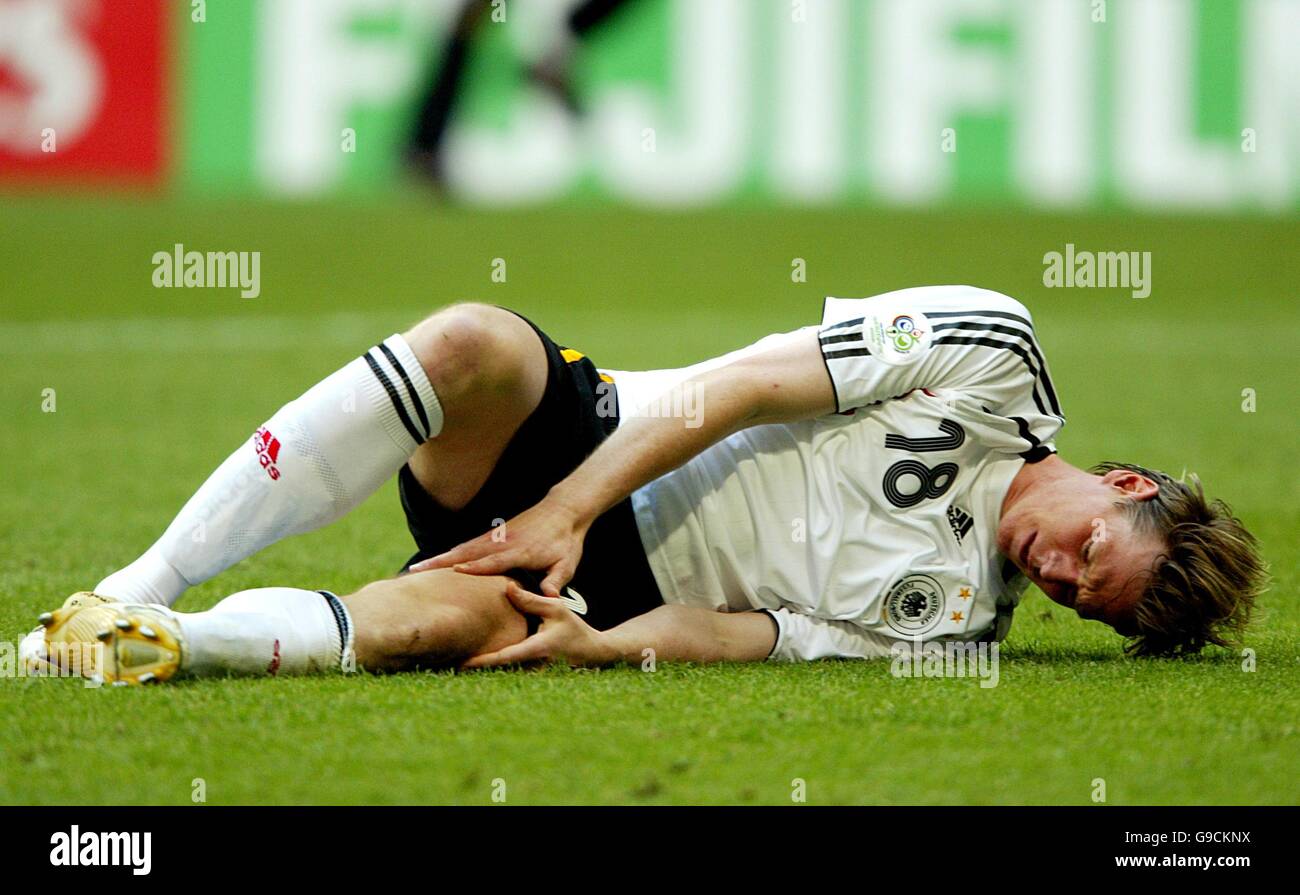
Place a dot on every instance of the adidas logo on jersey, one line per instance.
(961, 522)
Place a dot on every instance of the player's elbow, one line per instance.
(763, 397)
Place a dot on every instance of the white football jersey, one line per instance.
(877, 523)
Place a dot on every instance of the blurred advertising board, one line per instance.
(1055, 103)
(83, 91)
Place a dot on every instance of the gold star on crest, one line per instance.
(965, 593)
(957, 616)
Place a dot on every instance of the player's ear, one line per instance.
(1133, 485)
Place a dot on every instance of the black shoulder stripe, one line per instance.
(843, 323)
(981, 325)
(842, 337)
(1039, 372)
(1025, 433)
(1037, 450)
(1029, 338)
(1007, 346)
(1003, 314)
(394, 397)
(1032, 358)
(846, 352)
(990, 343)
(410, 389)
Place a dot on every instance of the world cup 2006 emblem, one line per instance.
(904, 333)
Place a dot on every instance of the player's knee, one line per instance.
(469, 346)
(461, 331)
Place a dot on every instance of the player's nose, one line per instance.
(1059, 567)
(1058, 578)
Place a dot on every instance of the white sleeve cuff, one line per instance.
(803, 638)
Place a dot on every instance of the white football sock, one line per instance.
(270, 630)
(314, 460)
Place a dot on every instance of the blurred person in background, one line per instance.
(551, 71)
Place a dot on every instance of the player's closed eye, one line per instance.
(1085, 555)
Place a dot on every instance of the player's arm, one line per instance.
(668, 634)
(694, 634)
(785, 382)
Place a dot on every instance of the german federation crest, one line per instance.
(914, 605)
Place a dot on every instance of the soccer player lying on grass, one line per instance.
(886, 476)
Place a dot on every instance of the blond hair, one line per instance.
(1203, 585)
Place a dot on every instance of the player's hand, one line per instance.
(563, 636)
(547, 536)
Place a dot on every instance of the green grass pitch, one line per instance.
(153, 387)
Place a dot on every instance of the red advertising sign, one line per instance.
(83, 90)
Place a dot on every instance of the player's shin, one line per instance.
(271, 630)
(314, 460)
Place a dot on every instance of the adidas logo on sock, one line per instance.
(268, 451)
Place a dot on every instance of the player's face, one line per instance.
(1078, 545)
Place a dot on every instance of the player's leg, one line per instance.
(426, 620)
(424, 153)
(432, 619)
(553, 69)
(490, 370)
(461, 382)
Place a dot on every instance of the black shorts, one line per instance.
(578, 411)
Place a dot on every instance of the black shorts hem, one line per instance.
(578, 410)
